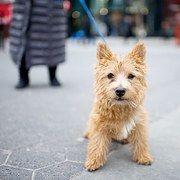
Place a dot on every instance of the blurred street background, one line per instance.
(126, 18)
(122, 18)
(41, 127)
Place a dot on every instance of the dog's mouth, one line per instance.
(120, 99)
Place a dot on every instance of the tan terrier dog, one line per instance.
(118, 111)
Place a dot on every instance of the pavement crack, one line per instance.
(49, 166)
(16, 167)
(33, 175)
(79, 162)
(10, 152)
(66, 151)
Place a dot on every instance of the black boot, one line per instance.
(23, 77)
(52, 77)
(22, 84)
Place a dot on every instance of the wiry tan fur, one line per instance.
(124, 121)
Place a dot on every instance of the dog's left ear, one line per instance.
(138, 53)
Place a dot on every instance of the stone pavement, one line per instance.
(41, 127)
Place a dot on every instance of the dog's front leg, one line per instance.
(138, 138)
(97, 150)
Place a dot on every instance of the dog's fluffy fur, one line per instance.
(123, 119)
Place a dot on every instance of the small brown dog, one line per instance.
(118, 111)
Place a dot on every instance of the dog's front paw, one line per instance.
(143, 159)
(92, 165)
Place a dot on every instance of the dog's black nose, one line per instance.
(120, 92)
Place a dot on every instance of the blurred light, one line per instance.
(76, 14)
(135, 10)
(132, 10)
(174, 7)
(144, 11)
(67, 5)
(103, 11)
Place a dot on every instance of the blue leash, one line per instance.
(84, 5)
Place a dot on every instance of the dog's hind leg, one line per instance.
(124, 141)
(86, 134)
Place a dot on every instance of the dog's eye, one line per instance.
(131, 76)
(110, 76)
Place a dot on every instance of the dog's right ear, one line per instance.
(103, 52)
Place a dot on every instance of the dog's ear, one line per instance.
(138, 52)
(103, 52)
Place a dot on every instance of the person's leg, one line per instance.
(52, 76)
(1, 37)
(23, 75)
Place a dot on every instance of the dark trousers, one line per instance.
(23, 70)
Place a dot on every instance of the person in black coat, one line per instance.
(37, 37)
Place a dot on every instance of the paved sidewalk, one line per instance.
(41, 127)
